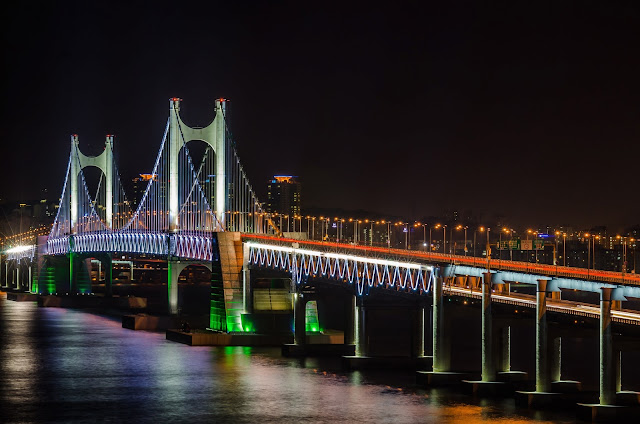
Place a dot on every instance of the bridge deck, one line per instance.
(493, 264)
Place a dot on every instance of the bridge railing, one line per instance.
(441, 258)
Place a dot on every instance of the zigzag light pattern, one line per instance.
(359, 270)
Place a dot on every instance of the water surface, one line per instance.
(63, 365)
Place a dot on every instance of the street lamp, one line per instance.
(586, 236)
(388, 232)
(460, 227)
(623, 268)
(481, 229)
(444, 236)
(424, 234)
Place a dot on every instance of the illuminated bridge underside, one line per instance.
(562, 307)
(21, 252)
(175, 245)
(361, 271)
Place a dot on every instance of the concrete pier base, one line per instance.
(440, 378)
(92, 301)
(148, 322)
(22, 297)
(386, 362)
(212, 338)
(311, 349)
(487, 388)
(512, 376)
(538, 400)
(628, 398)
(596, 413)
(566, 386)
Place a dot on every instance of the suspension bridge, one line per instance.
(207, 213)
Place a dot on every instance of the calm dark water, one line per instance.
(61, 365)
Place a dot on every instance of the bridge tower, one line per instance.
(215, 136)
(104, 162)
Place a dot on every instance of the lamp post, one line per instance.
(313, 227)
(450, 239)
(424, 233)
(555, 252)
(388, 233)
(623, 240)
(465, 239)
(444, 236)
(431, 240)
(564, 249)
(586, 236)
(481, 229)
(633, 251)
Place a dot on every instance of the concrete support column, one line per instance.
(607, 372)
(438, 325)
(299, 319)
(618, 367)
(556, 358)
(543, 380)
(175, 144)
(505, 364)
(350, 324)
(172, 285)
(488, 368)
(247, 303)
(362, 347)
(30, 276)
(73, 183)
(420, 332)
(18, 276)
(108, 276)
(108, 177)
(221, 196)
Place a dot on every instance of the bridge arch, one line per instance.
(176, 268)
(215, 136)
(104, 162)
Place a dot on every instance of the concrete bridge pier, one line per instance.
(360, 328)
(547, 358)
(488, 366)
(543, 376)
(299, 319)
(441, 375)
(172, 285)
(419, 336)
(607, 375)
(17, 287)
(108, 276)
(607, 409)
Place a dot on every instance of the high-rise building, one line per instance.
(283, 195)
(139, 185)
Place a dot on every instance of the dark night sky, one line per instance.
(530, 110)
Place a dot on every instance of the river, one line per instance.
(65, 365)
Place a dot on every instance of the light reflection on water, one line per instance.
(60, 365)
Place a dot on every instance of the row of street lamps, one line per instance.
(359, 224)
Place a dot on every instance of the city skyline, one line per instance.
(412, 111)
